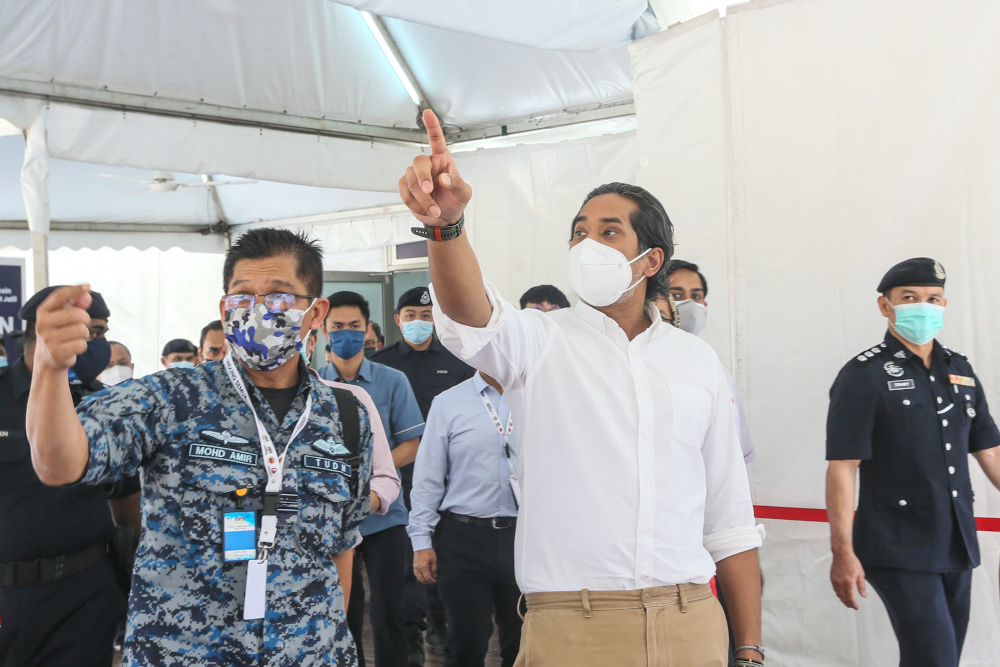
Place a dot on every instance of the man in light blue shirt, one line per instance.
(384, 545)
(464, 512)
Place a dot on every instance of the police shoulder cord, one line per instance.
(273, 462)
(505, 434)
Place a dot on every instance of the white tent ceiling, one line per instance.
(296, 94)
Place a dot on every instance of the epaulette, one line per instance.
(865, 355)
(954, 353)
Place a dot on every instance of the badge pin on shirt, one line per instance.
(892, 369)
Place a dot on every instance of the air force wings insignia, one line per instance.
(224, 438)
(330, 448)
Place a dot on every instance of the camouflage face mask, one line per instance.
(264, 339)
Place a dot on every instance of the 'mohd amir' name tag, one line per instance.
(897, 385)
(326, 465)
(199, 450)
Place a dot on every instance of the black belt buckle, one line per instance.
(507, 523)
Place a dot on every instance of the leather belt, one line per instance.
(497, 522)
(42, 570)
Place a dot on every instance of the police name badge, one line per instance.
(239, 535)
(899, 385)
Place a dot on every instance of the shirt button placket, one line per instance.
(646, 464)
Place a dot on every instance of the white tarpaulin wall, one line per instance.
(802, 148)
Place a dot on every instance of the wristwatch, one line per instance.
(432, 233)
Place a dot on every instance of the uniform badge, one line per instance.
(425, 299)
(900, 355)
(869, 354)
(938, 270)
(330, 448)
(971, 411)
(225, 438)
(899, 385)
(892, 369)
(962, 380)
(861, 357)
(199, 450)
(327, 465)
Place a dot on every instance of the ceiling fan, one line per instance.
(163, 181)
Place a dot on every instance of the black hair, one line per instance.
(689, 266)
(122, 346)
(341, 299)
(544, 294)
(214, 325)
(377, 330)
(651, 224)
(269, 242)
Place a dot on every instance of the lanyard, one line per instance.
(505, 434)
(273, 463)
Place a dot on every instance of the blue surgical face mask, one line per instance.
(417, 331)
(181, 364)
(918, 323)
(3, 361)
(345, 343)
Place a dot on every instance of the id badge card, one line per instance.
(239, 535)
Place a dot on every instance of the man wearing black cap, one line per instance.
(431, 370)
(907, 412)
(59, 599)
(179, 353)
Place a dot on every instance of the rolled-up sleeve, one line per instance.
(384, 480)
(510, 343)
(730, 526)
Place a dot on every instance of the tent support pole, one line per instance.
(40, 259)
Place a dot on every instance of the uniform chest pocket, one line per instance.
(13, 446)
(692, 413)
(906, 517)
(323, 495)
(206, 491)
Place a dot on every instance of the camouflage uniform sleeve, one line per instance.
(358, 507)
(123, 424)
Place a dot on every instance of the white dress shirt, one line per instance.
(630, 471)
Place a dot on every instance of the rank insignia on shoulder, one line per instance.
(962, 380)
(900, 355)
(892, 369)
(330, 448)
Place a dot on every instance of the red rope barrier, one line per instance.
(985, 524)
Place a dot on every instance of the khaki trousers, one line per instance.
(668, 626)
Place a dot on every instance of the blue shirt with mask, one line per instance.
(401, 418)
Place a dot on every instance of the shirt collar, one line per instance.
(20, 378)
(404, 347)
(606, 325)
(479, 383)
(902, 354)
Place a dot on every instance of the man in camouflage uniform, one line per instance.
(193, 432)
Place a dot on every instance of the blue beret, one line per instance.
(916, 272)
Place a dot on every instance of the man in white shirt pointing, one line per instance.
(632, 483)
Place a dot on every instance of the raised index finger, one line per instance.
(75, 295)
(435, 135)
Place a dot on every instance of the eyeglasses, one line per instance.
(275, 303)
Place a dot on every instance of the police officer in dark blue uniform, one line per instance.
(431, 370)
(907, 412)
(60, 601)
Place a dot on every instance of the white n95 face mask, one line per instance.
(599, 274)
(692, 316)
(115, 375)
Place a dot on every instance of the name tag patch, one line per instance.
(326, 465)
(199, 450)
(962, 380)
(897, 385)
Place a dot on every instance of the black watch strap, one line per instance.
(432, 233)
